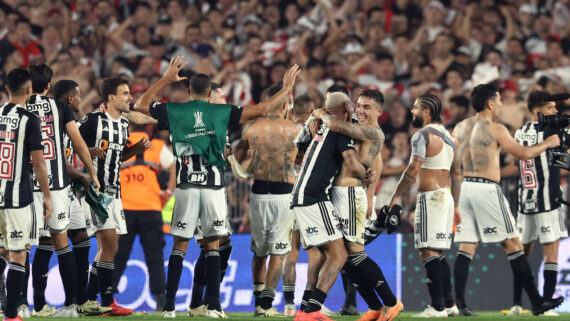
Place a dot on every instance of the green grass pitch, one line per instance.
(404, 316)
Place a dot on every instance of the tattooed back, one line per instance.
(272, 149)
(479, 149)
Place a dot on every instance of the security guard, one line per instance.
(141, 196)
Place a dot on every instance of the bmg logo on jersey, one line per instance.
(45, 106)
(14, 122)
(490, 230)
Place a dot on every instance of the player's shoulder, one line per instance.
(96, 114)
(23, 112)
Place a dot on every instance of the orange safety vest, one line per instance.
(140, 190)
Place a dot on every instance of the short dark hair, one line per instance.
(215, 86)
(16, 79)
(200, 84)
(460, 101)
(374, 95)
(110, 86)
(431, 102)
(481, 95)
(41, 77)
(21, 19)
(63, 88)
(337, 89)
(300, 103)
(537, 99)
(192, 26)
(384, 56)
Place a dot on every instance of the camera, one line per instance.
(557, 157)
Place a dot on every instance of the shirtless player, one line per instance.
(270, 143)
(485, 214)
(352, 202)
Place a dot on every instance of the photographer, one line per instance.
(540, 215)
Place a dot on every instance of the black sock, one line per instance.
(517, 291)
(174, 272)
(267, 297)
(434, 282)
(305, 300)
(40, 271)
(446, 275)
(213, 280)
(105, 275)
(81, 254)
(93, 285)
(460, 274)
(550, 274)
(225, 251)
(68, 270)
(257, 289)
(521, 270)
(364, 288)
(349, 289)
(289, 294)
(198, 281)
(14, 282)
(316, 301)
(365, 266)
(24, 289)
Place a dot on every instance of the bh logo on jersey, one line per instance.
(198, 120)
(197, 177)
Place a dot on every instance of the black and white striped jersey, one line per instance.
(539, 187)
(20, 133)
(194, 169)
(323, 159)
(53, 115)
(101, 130)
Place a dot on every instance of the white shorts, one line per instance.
(115, 221)
(198, 235)
(208, 205)
(485, 213)
(15, 227)
(272, 223)
(59, 220)
(351, 204)
(433, 220)
(77, 218)
(318, 224)
(547, 227)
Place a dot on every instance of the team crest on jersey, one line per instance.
(198, 122)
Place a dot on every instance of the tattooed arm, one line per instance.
(456, 178)
(240, 152)
(354, 131)
(378, 164)
(353, 165)
(510, 145)
(408, 178)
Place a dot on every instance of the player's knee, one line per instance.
(44, 240)
(512, 245)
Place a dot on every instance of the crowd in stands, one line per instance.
(404, 48)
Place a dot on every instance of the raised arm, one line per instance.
(139, 118)
(269, 104)
(354, 131)
(170, 76)
(510, 145)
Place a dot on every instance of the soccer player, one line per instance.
(56, 118)
(197, 306)
(540, 215)
(198, 142)
(485, 215)
(68, 91)
(108, 130)
(433, 151)
(20, 141)
(353, 205)
(318, 222)
(270, 141)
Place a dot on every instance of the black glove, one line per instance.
(390, 218)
